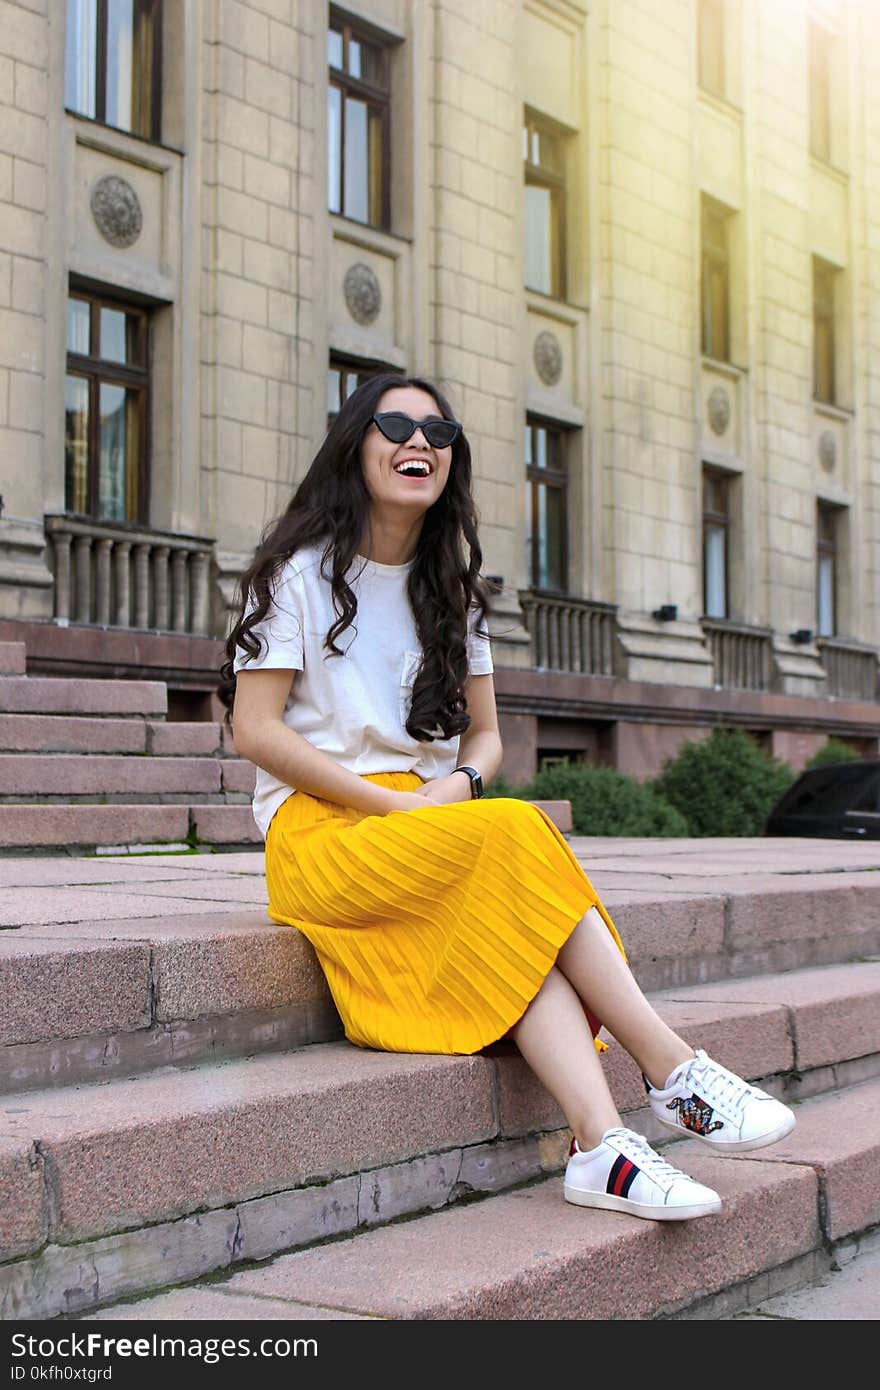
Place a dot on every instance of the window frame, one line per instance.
(715, 519)
(558, 479)
(96, 370)
(140, 7)
(715, 258)
(356, 366)
(376, 98)
(825, 332)
(540, 176)
(827, 548)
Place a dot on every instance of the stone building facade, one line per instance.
(637, 244)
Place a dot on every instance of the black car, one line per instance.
(840, 801)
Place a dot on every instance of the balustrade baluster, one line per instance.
(142, 584)
(179, 595)
(553, 635)
(121, 556)
(200, 565)
(541, 634)
(61, 542)
(103, 547)
(160, 587)
(564, 619)
(83, 553)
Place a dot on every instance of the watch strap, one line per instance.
(475, 779)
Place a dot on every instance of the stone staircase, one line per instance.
(184, 1133)
(92, 765)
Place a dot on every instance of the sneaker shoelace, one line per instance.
(635, 1147)
(705, 1075)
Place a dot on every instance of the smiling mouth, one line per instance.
(413, 468)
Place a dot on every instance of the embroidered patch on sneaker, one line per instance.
(695, 1114)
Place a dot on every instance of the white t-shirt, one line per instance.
(353, 707)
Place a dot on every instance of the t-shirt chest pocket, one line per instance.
(409, 670)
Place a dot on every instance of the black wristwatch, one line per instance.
(476, 780)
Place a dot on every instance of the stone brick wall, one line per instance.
(476, 293)
(645, 200)
(258, 279)
(24, 62)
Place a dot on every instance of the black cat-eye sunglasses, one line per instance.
(399, 428)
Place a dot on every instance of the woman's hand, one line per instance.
(443, 791)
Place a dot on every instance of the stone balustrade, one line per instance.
(123, 576)
(742, 655)
(851, 668)
(570, 634)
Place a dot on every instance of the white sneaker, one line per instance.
(711, 1103)
(625, 1174)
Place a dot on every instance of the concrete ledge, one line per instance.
(557, 811)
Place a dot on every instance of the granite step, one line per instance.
(85, 827)
(36, 775)
(128, 1187)
(59, 733)
(227, 823)
(13, 658)
(65, 695)
(526, 1254)
(147, 959)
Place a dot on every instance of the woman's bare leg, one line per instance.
(555, 1040)
(591, 962)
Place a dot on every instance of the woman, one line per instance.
(360, 680)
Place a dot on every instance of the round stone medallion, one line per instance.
(718, 406)
(363, 293)
(827, 450)
(547, 356)
(117, 211)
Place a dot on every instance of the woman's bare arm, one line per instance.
(480, 745)
(262, 737)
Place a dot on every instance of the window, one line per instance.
(544, 161)
(106, 404)
(358, 124)
(716, 529)
(546, 507)
(820, 42)
(343, 377)
(715, 282)
(113, 63)
(710, 46)
(827, 522)
(824, 344)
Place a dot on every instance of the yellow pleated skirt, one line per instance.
(435, 928)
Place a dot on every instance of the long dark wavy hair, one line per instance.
(331, 505)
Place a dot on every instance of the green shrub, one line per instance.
(834, 751)
(723, 785)
(603, 802)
